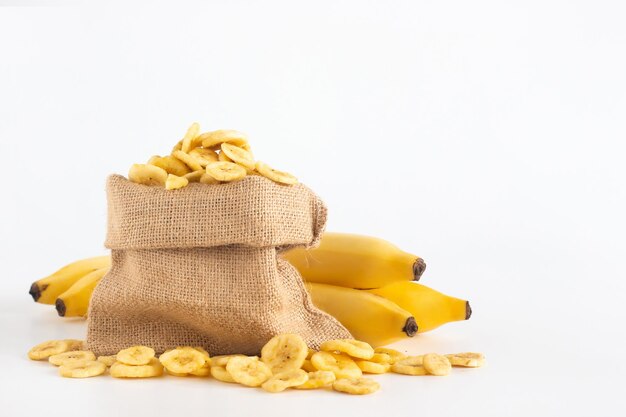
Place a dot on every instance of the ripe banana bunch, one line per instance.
(364, 282)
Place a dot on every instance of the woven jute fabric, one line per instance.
(199, 266)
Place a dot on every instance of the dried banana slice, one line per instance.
(147, 174)
(308, 366)
(341, 365)
(356, 386)
(82, 369)
(225, 171)
(170, 164)
(204, 370)
(204, 156)
(310, 353)
(135, 355)
(248, 371)
(174, 182)
(381, 358)
(222, 360)
(437, 364)
(176, 374)
(410, 365)
(354, 348)
(238, 155)
(178, 146)
(467, 359)
(107, 360)
(152, 369)
(75, 344)
(191, 134)
(223, 157)
(369, 367)
(182, 360)
(71, 357)
(46, 349)
(217, 137)
(393, 354)
(284, 352)
(275, 175)
(318, 379)
(189, 160)
(284, 380)
(221, 374)
(207, 179)
(194, 176)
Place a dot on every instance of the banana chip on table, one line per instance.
(436, 364)
(182, 360)
(284, 352)
(341, 365)
(354, 348)
(82, 369)
(393, 354)
(318, 379)
(107, 360)
(287, 379)
(71, 357)
(135, 355)
(46, 349)
(221, 374)
(467, 359)
(248, 371)
(152, 369)
(356, 386)
(410, 365)
(370, 367)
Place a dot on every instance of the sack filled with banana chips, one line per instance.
(199, 266)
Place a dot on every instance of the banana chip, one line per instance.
(207, 179)
(225, 171)
(75, 344)
(71, 357)
(467, 359)
(284, 352)
(310, 353)
(284, 380)
(224, 158)
(204, 156)
(170, 164)
(189, 160)
(135, 355)
(381, 358)
(182, 360)
(354, 348)
(393, 354)
(82, 369)
(174, 182)
(221, 374)
(437, 364)
(356, 386)
(204, 370)
(275, 175)
(318, 379)
(152, 369)
(308, 366)
(46, 349)
(217, 137)
(410, 365)
(107, 360)
(238, 155)
(222, 360)
(341, 365)
(147, 174)
(248, 371)
(191, 134)
(369, 367)
(194, 176)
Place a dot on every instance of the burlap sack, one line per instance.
(200, 267)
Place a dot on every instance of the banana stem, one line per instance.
(60, 306)
(419, 266)
(410, 327)
(35, 291)
(468, 310)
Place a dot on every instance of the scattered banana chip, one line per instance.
(275, 175)
(195, 176)
(147, 174)
(174, 182)
(152, 369)
(82, 369)
(107, 360)
(238, 155)
(176, 373)
(204, 370)
(308, 366)
(182, 360)
(248, 371)
(354, 348)
(410, 365)
(191, 134)
(284, 380)
(204, 156)
(222, 360)
(170, 164)
(341, 365)
(318, 379)
(225, 171)
(217, 137)
(381, 358)
(71, 357)
(466, 359)
(189, 160)
(437, 364)
(393, 354)
(369, 367)
(221, 374)
(284, 352)
(356, 386)
(46, 349)
(135, 355)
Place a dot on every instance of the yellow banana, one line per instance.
(47, 290)
(368, 317)
(75, 301)
(355, 261)
(430, 308)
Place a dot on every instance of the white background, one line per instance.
(486, 136)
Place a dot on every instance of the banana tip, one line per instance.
(468, 310)
(60, 306)
(419, 266)
(35, 291)
(410, 327)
